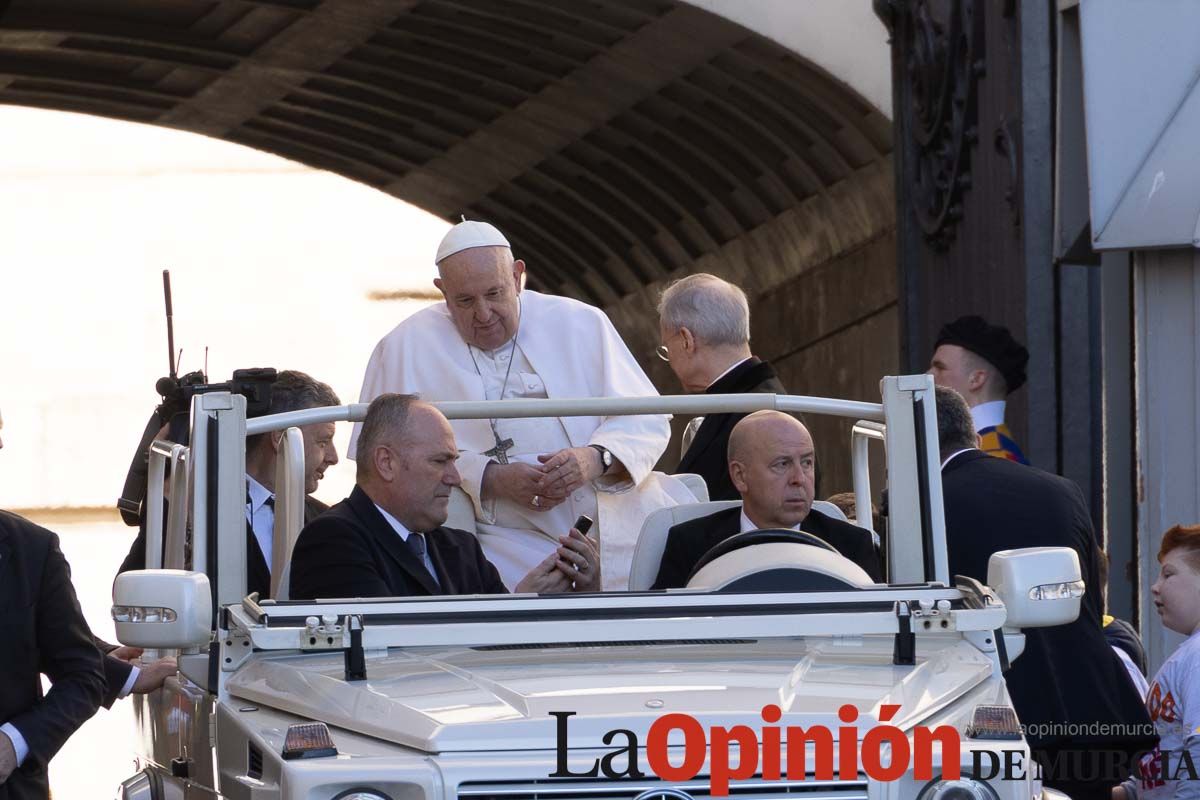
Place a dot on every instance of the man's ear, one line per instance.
(977, 379)
(518, 274)
(385, 462)
(737, 473)
(978, 442)
(437, 282)
(689, 340)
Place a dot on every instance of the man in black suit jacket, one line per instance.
(772, 463)
(1068, 673)
(43, 632)
(291, 391)
(705, 327)
(387, 538)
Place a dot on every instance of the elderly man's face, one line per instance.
(481, 287)
(774, 472)
(319, 453)
(420, 490)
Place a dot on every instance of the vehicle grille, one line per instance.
(254, 762)
(587, 789)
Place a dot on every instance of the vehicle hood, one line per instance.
(443, 699)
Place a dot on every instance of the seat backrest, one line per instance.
(289, 510)
(829, 509)
(695, 484)
(653, 538)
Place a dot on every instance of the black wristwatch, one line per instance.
(606, 458)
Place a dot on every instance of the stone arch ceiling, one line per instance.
(615, 141)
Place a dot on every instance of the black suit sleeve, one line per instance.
(67, 655)
(330, 561)
(116, 672)
(489, 575)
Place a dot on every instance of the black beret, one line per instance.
(991, 342)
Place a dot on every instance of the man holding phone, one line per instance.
(387, 539)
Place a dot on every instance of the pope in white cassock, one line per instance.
(529, 479)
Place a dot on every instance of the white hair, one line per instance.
(714, 310)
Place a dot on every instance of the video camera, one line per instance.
(177, 394)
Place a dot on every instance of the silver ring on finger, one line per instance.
(537, 501)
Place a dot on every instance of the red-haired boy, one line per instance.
(1174, 698)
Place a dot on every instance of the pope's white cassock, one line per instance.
(564, 349)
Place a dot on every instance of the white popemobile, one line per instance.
(780, 670)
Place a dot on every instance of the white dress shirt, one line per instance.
(748, 525)
(20, 747)
(955, 455)
(261, 516)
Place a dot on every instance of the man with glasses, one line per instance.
(705, 326)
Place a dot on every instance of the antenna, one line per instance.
(171, 362)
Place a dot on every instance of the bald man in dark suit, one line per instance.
(772, 462)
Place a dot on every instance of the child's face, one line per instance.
(1177, 593)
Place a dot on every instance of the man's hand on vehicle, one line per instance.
(153, 675)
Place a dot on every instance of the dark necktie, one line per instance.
(416, 541)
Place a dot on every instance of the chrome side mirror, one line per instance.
(162, 608)
(1039, 586)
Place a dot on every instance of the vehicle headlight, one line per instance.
(361, 794)
(962, 789)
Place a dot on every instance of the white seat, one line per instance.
(829, 509)
(647, 556)
(653, 539)
(695, 484)
(289, 510)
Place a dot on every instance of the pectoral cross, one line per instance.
(500, 451)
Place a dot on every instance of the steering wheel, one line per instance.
(764, 536)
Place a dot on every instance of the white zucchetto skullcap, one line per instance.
(469, 234)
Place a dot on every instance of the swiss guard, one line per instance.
(985, 364)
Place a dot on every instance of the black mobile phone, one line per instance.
(583, 524)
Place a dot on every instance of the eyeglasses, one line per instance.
(662, 352)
